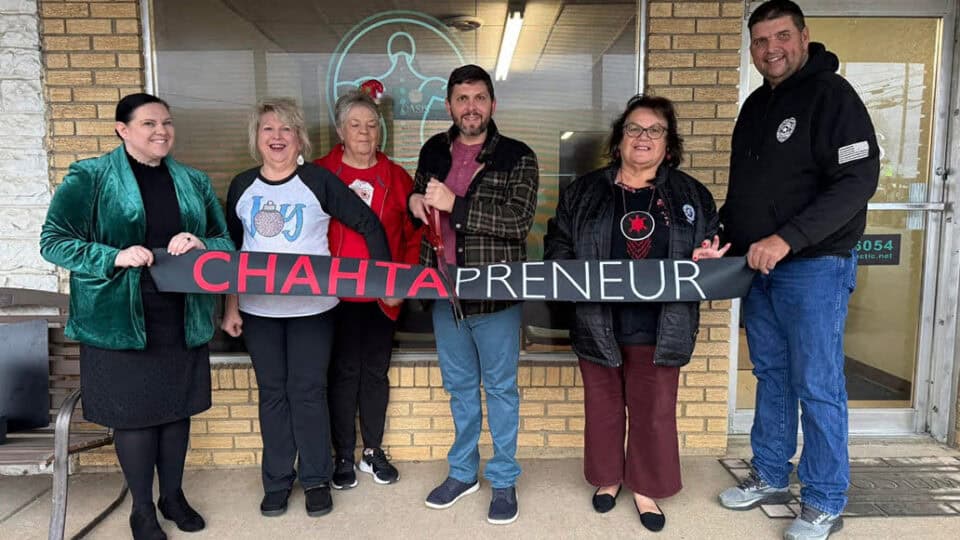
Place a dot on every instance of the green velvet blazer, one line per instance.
(97, 212)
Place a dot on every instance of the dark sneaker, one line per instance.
(503, 506)
(344, 476)
(377, 464)
(813, 524)
(178, 510)
(752, 492)
(319, 503)
(449, 492)
(274, 503)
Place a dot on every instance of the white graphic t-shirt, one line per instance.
(283, 217)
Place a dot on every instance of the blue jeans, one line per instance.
(484, 347)
(795, 320)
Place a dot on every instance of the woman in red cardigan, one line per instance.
(363, 335)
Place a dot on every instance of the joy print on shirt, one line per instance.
(268, 220)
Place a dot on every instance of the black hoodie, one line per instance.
(804, 162)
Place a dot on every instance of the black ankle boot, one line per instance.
(144, 524)
(178, 510)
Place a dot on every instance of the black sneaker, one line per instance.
(378, 465)
(449, 492)
(274, 503)
(504, 508)
(344, 476)
(319, 503)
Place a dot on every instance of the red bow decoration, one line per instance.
(373, 88)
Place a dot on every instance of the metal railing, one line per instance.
(61, 472)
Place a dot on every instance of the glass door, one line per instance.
(896, 64)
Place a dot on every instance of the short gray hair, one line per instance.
(349, 100)
(289, 113)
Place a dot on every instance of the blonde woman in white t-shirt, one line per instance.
(285, 206)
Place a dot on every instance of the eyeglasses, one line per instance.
(634, 131)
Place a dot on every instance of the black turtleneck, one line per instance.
(159, 202)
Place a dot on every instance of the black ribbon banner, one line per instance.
(219, 272)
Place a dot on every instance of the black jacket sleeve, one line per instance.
(344, 205)
(845, 149)
(710, 216)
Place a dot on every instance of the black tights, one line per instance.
(140, 450)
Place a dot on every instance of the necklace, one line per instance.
(637, 226)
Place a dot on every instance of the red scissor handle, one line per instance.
(435, 237)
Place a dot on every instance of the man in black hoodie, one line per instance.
(804, 163)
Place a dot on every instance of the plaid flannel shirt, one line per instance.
(494, 217)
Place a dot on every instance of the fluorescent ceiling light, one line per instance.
(566, 135)
(511, 34)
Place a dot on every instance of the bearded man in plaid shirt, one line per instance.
(478, 191)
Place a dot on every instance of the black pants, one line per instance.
(362, 345)
(291, 357)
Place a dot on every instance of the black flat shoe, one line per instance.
(274, 503)
(605, 502)
(178, 510)
(144, 524)
(652, 521)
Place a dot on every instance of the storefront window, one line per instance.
(573, 69)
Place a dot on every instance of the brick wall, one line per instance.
(693, 59)
(92, 57)
(418, 427)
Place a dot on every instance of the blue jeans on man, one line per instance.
(483, 348)
(795, 318)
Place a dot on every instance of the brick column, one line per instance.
(693, 58)
(92, 55)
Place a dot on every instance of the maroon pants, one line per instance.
(651, 464)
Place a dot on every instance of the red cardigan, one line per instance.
(392, 186)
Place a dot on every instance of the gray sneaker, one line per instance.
(813, 524)
(752, 492)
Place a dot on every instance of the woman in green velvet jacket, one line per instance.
(144, 362)
(97, 212)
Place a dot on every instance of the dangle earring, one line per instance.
(300, 159)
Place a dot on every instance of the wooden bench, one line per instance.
(47, 450)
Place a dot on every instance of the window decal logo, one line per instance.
(384, 47)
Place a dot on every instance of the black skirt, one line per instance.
(163, 383)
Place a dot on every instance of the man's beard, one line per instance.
(473, 132)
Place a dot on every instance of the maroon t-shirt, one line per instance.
(463, 168)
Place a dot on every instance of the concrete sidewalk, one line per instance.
(554, 503)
